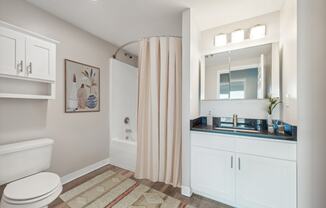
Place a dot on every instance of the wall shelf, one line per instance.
(26, 78)
(26, 96)
(26, 89)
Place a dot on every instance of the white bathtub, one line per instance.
(123, 153)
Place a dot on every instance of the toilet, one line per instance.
(22, 167)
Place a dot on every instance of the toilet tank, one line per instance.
(25, 158)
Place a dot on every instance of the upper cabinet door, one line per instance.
(265, 183)
(40, 59)
(12, 52)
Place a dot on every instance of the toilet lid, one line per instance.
(32, 186)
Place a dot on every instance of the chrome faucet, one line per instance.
(235, 120)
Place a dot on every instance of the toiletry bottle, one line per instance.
(209, 119)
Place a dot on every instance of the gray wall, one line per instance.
(81, 139)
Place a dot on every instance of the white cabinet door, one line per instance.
(265, 183)
(213, 173)
(12, 52)
(40, 59)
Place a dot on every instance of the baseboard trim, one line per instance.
(78, 173)
(127, 167)
(186, 191)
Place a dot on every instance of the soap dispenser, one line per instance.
(209, 119)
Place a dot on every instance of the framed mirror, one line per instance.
(248, 73)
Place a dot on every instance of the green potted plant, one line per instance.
(272, 103)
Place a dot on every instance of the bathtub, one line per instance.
(123, 87)
(123, 153)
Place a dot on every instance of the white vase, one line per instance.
(73, 101)
(269, 120)
(270, 123)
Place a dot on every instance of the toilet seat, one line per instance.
(32, 191)
(32, 187)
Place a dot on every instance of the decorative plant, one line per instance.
(92, 85)
(273, 102)
(91, 81)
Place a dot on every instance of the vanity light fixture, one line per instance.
(220, 40)
(237, 36)
(257, 32)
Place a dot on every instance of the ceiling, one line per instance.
(121, 21)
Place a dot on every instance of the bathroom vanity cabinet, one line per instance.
(244, 172)
(27, 63)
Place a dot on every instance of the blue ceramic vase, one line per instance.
(91, 101)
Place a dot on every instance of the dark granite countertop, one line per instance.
(289, 133)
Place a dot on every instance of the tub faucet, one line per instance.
(235, 120)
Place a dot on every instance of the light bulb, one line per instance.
(220, 40)
(257, 32)
(237, 36)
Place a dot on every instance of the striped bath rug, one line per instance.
(116, 190)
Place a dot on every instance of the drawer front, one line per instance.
(213, 141)
(265, 148)
(247, 145)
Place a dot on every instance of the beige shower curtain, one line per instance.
(159, 110)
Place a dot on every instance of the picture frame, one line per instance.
(82, 87)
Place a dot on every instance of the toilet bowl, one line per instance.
(35, 191)
(23, 166)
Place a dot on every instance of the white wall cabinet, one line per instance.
(27, 64)
(234, 170)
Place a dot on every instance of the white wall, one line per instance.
(288, 48)
(81, 139)
(195, 57)
(244, 108)
(280, 25)
(185, 178)
(190, 89)
(123, 99)
(311, 104)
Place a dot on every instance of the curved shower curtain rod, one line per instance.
(136, 41)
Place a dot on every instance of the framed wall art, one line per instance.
(82, 87)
